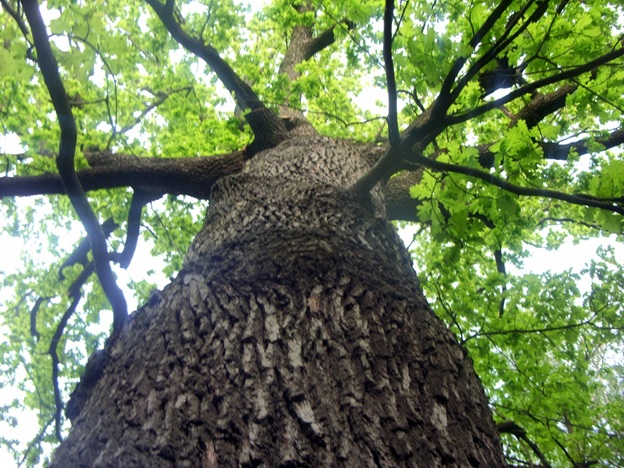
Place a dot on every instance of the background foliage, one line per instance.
(547, 346)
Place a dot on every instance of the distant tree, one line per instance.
(294, 330)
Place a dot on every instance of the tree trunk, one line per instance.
(296, 334)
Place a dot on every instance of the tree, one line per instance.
(294, 330)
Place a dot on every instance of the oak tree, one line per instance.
(244, 143)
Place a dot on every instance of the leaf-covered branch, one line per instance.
(614, 205)
(560, 151)
(534, 86)
(588, 322)
(65, 163)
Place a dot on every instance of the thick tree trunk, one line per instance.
(296, 334)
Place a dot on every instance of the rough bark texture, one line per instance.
(296, 334)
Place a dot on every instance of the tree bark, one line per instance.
(295, 335)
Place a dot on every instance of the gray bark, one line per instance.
(296, 334)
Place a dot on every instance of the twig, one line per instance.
(531, 330)
(37, 440)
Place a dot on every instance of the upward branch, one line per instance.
(65, 163)
(245, 97)
(303, 46)
(266, 126)
(393, 125)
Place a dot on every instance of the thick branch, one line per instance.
(499, 46)
(510, 427)
(325, 39)
(444, 100)
(303, 46)
(245, 97)
(179, 176)
(65, 163)
(299, 47)
(542, 105)
(400, 205)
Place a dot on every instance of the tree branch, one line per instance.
(266, 126)
(393, 124)
(53, 352)
(444, 100)
(532, 330)
(299, 47)
(15, 15)
(325, 39)
(33, 316)
(400, 205)
(499, 46)
(179, 176)
(542, 105)
(559, 151)
(245, 97)
(139, 200)
(510, 427)
(160, 98)
(35, 442)
(614, 205)
(530, 87)
(80, 253)
(65, 163)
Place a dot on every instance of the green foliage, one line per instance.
(547, 345)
